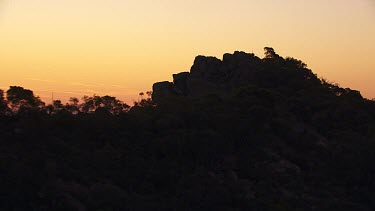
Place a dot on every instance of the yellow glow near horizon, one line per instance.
(121, 47)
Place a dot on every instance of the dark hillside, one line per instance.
(242, 133)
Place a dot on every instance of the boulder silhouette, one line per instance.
(162, 90)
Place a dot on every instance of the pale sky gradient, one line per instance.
(121, 47)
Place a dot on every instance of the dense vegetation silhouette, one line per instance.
(242, 133)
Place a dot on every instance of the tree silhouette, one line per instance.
(57, 104)
(269, 53)
(292, 62)
(147, 102)
(22, 99)
(74, 101)
(3, 104)
(73, 105)
(141, 94)
(113, 105)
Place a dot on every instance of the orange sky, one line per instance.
(121, 47)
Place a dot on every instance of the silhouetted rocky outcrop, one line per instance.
(209, 75)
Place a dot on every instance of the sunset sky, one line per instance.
(121, 47)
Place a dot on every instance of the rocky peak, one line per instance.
(208, 75)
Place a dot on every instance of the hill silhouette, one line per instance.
(241, 133)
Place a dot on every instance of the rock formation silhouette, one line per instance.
(210, 75)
